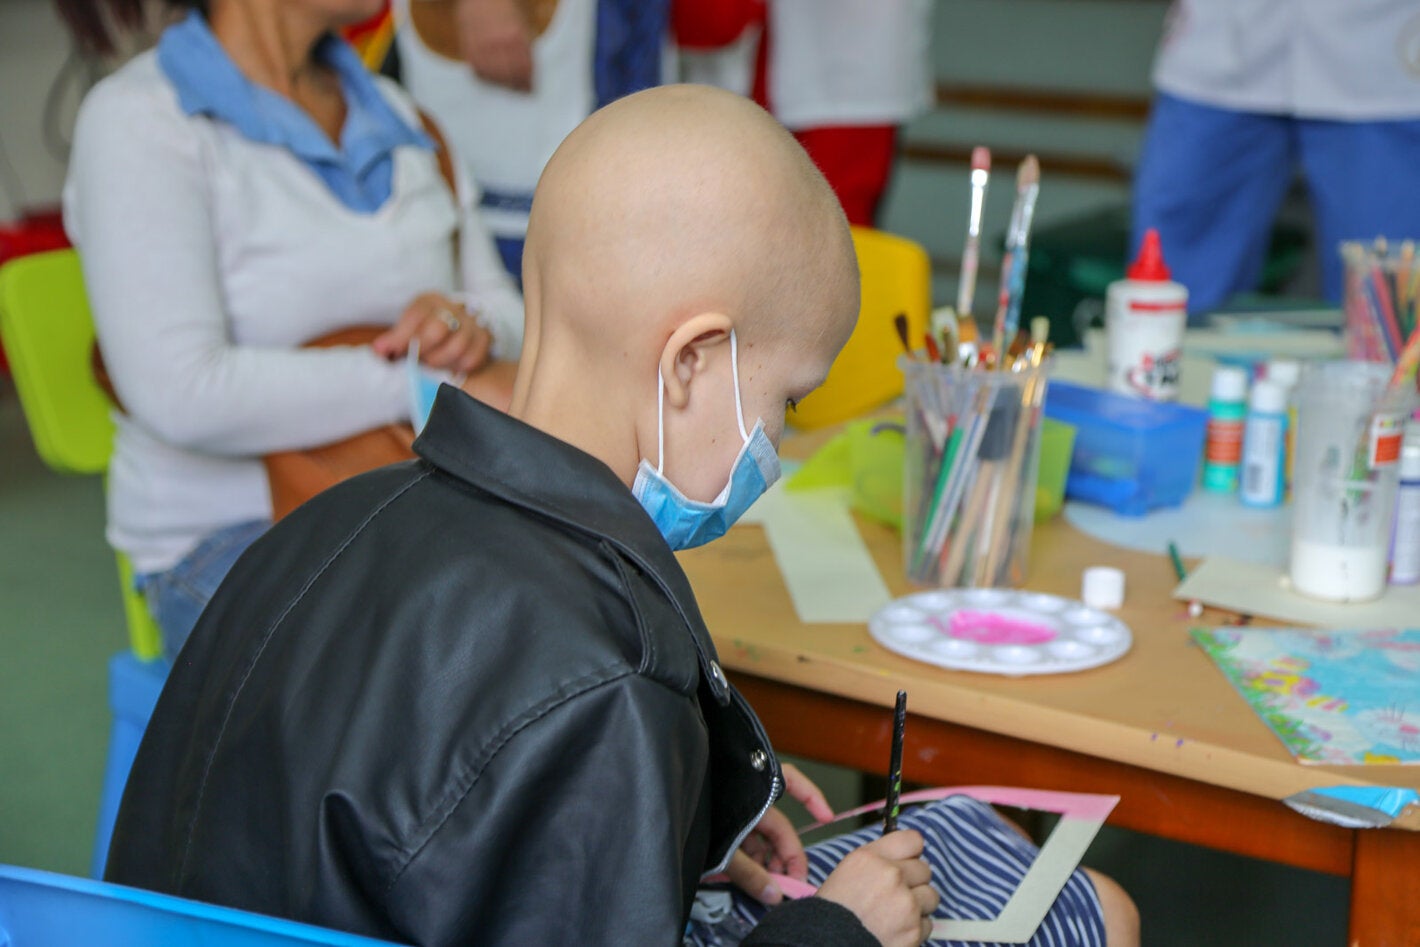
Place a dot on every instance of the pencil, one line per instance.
(1178, 569)
(899, 723)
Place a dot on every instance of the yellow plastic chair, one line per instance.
(896, 278)
(48, 334)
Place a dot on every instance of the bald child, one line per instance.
(469, 699)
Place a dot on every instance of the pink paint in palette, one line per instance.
(1000, 631)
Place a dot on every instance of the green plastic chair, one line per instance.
(48, 334)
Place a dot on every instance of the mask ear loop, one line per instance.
(660, 421)
(735, 371)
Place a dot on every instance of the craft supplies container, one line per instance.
(1130, 455)
(1144, 317)
(1349, 426)
(1405, 544)
(969, 473)
(1380, 298)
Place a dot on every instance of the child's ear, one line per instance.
(683, 357)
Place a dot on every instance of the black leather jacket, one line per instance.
(468, 699)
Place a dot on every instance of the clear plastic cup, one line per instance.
(969, 473)
(1346, 469)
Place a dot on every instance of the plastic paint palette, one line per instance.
(1000, 631)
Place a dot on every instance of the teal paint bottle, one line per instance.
(1227, 414)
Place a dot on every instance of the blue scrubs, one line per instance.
(1212, 179)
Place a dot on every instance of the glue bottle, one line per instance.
(1227, 412)
(1405, 546)
(1144, 318)
(1264, 446)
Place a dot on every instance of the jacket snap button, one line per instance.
(759, 759)
(718, 675)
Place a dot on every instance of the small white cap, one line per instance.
(1102, 587)
(1229, 383)
(1268, 397)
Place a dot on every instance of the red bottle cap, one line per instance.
(1149, 265)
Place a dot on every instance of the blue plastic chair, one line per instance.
(42, 909)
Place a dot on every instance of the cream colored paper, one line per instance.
(1253, 589)
(827, 569)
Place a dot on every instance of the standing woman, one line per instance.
(236, 192)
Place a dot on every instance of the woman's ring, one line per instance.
(447, 317)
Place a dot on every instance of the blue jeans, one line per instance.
(1211, 180)
(177, 597)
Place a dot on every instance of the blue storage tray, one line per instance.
(1130, 455)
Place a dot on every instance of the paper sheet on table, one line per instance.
(1206, 524)
(827, 568)
(1254, 589)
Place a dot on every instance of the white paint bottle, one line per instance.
(1264, 447)
(1144, 317)
(1405, 546)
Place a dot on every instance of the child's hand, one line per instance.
(888, 886)
(800, 787)
(450, 337)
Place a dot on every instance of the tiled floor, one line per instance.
(60, 620)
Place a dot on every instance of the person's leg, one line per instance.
(1365, 183)
(1121, 916)
(1210, 181)
(978, 860)
(178, 596)
(857, 161)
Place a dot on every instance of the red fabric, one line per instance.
(708, 24)
(365, 28)
(857, 160)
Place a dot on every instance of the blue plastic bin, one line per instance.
(42, 909)
(133, 689)
(1130, 455)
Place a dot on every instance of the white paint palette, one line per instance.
(1000, 631)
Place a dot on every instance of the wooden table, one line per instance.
(1161, 727)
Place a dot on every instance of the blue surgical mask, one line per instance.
(687, 523)
(424, 385)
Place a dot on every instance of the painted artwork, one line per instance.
(1338, 697)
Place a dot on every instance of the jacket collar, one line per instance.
(529, 468)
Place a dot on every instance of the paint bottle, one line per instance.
(1144, 318)
(1227, 413)
(1264, 447)
(1287, 372)
(1405, 546)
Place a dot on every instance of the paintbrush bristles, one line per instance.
(980, 175)
(1028, 173)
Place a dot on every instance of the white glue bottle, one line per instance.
(1264, 448)
(1144, 318)
(1405, 546)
